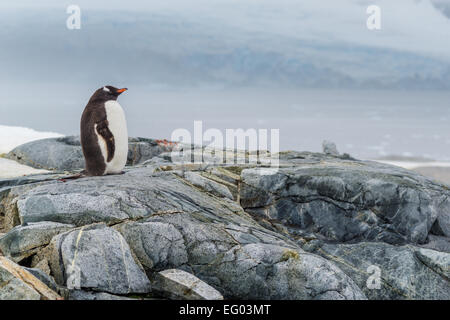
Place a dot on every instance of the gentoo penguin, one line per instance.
(104, 136)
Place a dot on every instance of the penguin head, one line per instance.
(107, 93)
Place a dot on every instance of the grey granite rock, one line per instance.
(160, 202)
(329, 148)
(88, 295)
(50, 154)
(437, 261)
(406, 272)
(6, 184)
(98, 199)
(307, 230)
(17, 283)
(143, 149)
(265, 271)
(22, 241)
(65, 153)
(45, 278)
(208, 185)
(96, 258)
(181, 285)
(157, 245)
(235, 255)
(439, 243)
(443, 225)
(13, 288)
(348, 200)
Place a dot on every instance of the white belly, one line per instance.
(118, 127)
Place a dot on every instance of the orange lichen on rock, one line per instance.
(166, 143)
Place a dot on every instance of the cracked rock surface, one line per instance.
(319, 227)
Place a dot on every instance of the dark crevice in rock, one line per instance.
(436, 229)
(26, 262)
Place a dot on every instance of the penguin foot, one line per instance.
(116, 173)
(75, 176)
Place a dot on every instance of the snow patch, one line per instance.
(11, 169)
(11, 137)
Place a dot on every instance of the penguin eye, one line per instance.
(106, 89)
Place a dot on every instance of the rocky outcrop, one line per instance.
(318, 227)
(167, 222)
(65, 153)
(344, 201)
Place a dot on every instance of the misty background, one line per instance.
(309, 68)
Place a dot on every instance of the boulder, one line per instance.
(181, 285)
(22, 241)
(50, 154)
(329, 148)
(65, 154)
(96, 258)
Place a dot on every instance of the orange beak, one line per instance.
(122, 90)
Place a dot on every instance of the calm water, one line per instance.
(364, 124)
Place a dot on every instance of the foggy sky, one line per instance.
(238, 63)
(283, 43)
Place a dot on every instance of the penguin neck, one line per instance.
(101, 100)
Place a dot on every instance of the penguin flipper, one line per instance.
(103, 130)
